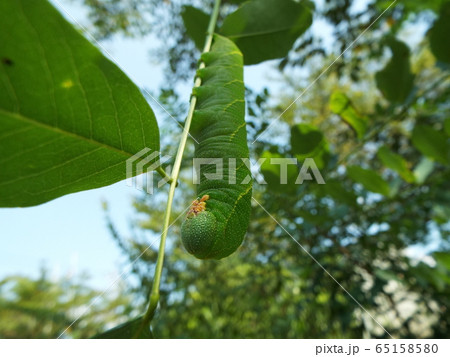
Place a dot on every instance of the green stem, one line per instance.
(154, 294)
(164, 174)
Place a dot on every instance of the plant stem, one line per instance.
(154, 294)
(164, 174)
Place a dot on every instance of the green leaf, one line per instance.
(305, 139)
(428, 276)
(443, 258)
(341, 105)
(196, 24)
(395, 162)
(447, 126)
(266, 29)
(308, 142)
(431, 143)
(69, 118)
(335, 190)
(315, 219)
(441, 213)
(126, 330)
(369, 179)
(387, 275)
(438, 35)
(423, 170)
(396, 81)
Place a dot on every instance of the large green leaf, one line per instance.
(341, 105)
(69, 118)
(396, 81)
(266, 29)
(196, 24)
(431, 143)
(439, 35)
(369, 179)
(395, 162)
(126, 330)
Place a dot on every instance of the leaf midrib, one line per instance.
(250, 34)
(64, 132)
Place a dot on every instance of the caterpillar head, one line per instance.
(198, 231)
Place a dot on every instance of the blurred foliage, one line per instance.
(342, 20)
(384, 153)
(66, 308)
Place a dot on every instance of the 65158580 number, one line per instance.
(406, 348)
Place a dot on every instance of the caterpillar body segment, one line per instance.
(218, 228)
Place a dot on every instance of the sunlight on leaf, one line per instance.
(341, 105)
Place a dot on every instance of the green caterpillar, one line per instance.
(217, 221)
